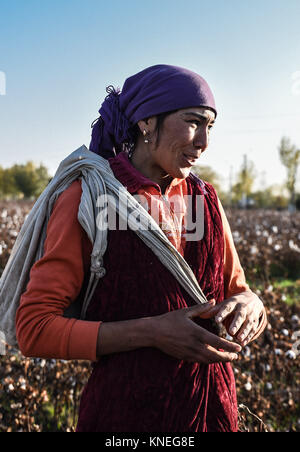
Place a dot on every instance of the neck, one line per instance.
(142, 161)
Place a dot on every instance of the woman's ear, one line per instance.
(148, 124)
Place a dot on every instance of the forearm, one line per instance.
(173, 333)
(124, 336)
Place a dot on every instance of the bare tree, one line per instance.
(242, 189)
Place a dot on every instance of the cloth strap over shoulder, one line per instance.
(98, 182)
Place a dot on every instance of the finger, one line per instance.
(210, 313)
(206, 337)
(238, 320)
(200, 310)
(222, 310)
(247, 331)
(210, 355)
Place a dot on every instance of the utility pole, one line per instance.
(245, 172)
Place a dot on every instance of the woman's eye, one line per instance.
(195, 122)
(198, 123)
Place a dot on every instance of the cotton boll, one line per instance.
(248, 386)
(291, 354)
(285, 332)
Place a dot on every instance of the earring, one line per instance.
(145, 140)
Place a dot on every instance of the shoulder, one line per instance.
(69, 199)
(66, 206)
(72, 194)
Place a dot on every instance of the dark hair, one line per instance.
(135, 131)
(160, 120)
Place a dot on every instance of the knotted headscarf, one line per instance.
(155, 90)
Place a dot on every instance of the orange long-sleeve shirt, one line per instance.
(57, 279)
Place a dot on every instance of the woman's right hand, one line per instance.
(176, 334)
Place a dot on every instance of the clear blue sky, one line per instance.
(59, 55)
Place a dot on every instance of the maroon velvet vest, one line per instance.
(146, 390)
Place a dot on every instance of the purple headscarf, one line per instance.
(157, 89)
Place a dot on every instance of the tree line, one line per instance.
(241, 191)
(23, 181)
(29, 180)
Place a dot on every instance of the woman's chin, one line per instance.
(182, 173)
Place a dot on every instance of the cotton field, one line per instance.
(43, 395)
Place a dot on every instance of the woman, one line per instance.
(158, 362)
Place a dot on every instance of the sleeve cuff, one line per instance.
(83, 340)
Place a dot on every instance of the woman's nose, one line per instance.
(201, 138)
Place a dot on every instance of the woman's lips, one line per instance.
(189, 160)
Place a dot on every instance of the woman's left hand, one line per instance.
(241, 315)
